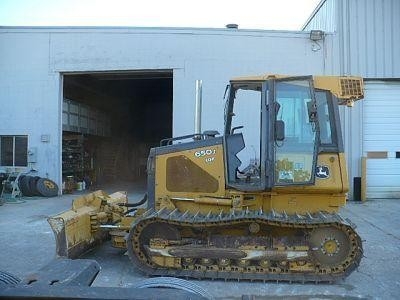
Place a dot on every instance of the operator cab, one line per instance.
(274, 129)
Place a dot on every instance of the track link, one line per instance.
(282, 220)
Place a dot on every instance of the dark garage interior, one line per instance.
(110, 121)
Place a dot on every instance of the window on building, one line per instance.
(14, 150)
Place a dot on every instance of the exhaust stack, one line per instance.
(198, 107)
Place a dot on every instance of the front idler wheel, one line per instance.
(330, 246)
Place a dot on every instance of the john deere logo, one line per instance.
(322, 172)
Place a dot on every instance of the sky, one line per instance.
(248, 14)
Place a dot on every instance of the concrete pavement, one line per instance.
(27, 243)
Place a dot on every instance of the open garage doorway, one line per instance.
(110, 121)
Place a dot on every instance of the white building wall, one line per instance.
(29, 97)
(31, 61)
(368, 34)
(324, 17)
(367, 44)
(370, 37)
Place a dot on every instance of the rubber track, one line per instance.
(308, 221)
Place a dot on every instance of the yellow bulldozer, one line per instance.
(259, 202)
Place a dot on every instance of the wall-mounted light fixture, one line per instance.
(316, 35)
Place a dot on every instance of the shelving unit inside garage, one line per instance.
(84, 127)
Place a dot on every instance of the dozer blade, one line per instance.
(76, 230)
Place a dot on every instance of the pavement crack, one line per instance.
(375, 226)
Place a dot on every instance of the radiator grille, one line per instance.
(351, 87)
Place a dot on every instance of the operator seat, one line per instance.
(234, 143)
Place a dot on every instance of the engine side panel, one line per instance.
(188, 174)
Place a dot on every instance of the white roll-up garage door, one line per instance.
(381, 138)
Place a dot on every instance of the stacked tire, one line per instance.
(37, 186)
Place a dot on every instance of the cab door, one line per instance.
(243, 144)
(294, 145)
